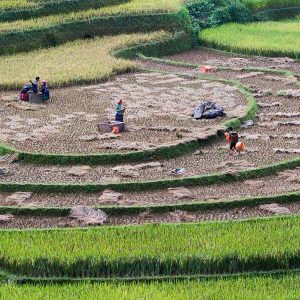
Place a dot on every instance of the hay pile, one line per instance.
(88, 216)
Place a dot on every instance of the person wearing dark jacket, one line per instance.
(233, 139)
(45, 90)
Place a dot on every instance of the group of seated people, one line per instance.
(36, 88)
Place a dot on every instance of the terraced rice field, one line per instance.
(139, 251)
(264, 146)
(258, 5)
(266, 186)
(129, 8)
(274, 137)
(95, 211)
(10, 4)
(276, 287)
(148, 217)
(73, 63)
(281, 38)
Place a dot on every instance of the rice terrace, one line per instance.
(149, 149)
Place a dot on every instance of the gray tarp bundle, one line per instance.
(208, 110)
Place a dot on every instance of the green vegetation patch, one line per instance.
(254, 288)
(54, 30)
(262, 38)
(184, 249)
(16, 4)
(259, 5)
(24, 9)
(129, 8)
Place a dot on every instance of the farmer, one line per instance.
(24, 92)
(120, 109)
(233, 139)
(45, 90)
(35, 84)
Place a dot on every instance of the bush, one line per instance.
(239, 13)
(201, 13)
(209, 13)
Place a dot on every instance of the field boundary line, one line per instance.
(63, 280)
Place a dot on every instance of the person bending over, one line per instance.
(233, 139)
(24, 92)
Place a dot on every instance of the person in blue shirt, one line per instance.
(120, 109)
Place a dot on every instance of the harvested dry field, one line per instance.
(158, 113)
(147, 217)
(281, 183)
(159, 104)
(275, 136)
(217, 58)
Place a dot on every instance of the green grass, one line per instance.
(25, 4)
(262, 38)
(75, 62)
(252, 288)
(24, 9)
(16, 4)
(210, 248)
(129, 8)
(259, 5)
